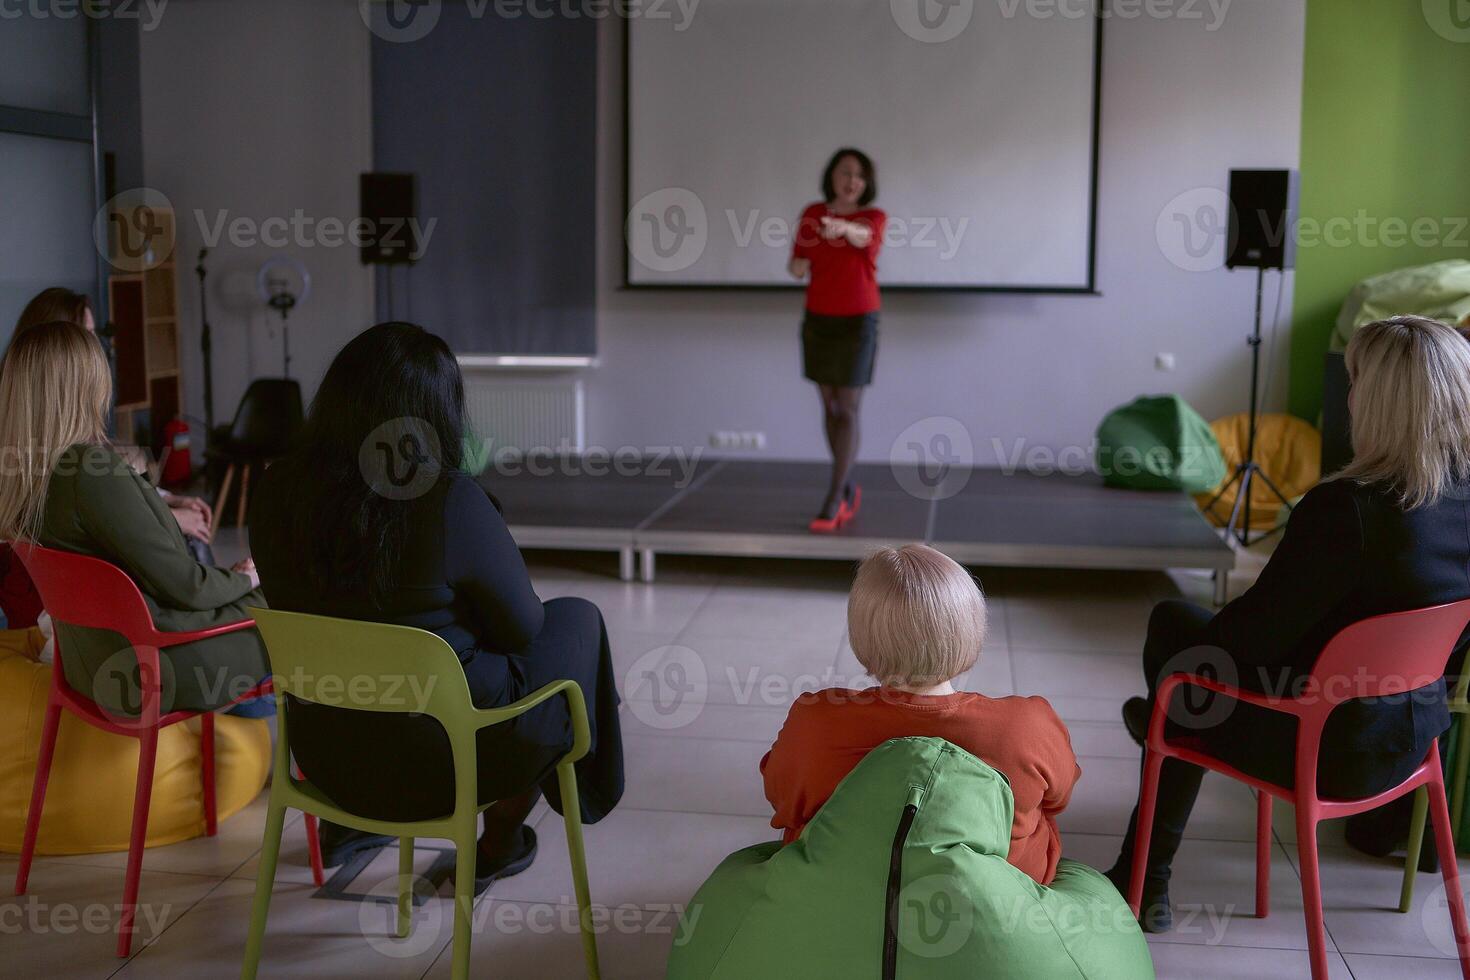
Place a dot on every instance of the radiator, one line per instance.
(518, 413)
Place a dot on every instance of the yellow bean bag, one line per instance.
(1289, 451)
(89, 800)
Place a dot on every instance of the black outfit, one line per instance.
(1349, 552)
(839, 350)
(461, 577)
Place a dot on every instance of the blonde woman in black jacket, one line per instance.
(1391, 532)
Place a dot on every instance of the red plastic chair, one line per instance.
(89, 592)
(1384, 655)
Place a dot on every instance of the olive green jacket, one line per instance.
(98, 505)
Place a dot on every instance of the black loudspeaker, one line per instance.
(1337, 426)
(1263, 214)
(389, 205)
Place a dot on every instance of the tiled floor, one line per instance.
(758, 631)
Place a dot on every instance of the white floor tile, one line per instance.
(744, 723)
(772, 614)
(695, 775)
(66, 923)
(1175, 961)
(1108, 790)
(634, 857)
(633, 647)
(1078, 623)
(304, 937)
(1213, 893)
(1071, 673)
(1366, 967)
(771, 669)
(635, 606)
(293, 864)
(237, 841)
(1072, 707)
(1360, 897)
(525, 939)
(699, 669)
(1103, 739)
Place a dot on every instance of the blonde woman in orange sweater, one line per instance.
(916, 621)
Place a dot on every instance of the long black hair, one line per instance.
(385, 427)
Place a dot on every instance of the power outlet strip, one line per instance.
(727, 439)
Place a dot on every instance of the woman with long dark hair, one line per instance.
(370, 517)
(836, 251)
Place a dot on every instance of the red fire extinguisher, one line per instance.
(177, 466)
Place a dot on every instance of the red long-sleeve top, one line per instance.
(844, 278)
(827, 733)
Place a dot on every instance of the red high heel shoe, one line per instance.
(827, 525)
(848, 509)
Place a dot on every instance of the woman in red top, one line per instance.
(836, 251)
(916, 621)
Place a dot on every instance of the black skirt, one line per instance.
(839, 350)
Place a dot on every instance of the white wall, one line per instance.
(261, 109)
(264, 107)
(1181, 105)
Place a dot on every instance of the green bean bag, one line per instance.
(1440, 290)
(1157, 442)
(903, 874)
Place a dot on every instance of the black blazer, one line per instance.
(1350, 552)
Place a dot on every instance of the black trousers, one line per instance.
(1256, 741)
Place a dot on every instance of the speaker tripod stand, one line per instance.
(1248, 471)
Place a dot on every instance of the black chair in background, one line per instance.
(265, 423)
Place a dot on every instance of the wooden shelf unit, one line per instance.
(144, 308)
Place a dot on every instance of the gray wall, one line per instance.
(119, 108)
(260, 109)
(263, 112)
(1180, 106)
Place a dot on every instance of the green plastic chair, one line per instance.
(378, 667)
(1459, 703)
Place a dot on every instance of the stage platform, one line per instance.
(742, 507)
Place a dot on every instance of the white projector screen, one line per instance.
(980, 117)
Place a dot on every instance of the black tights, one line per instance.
(840, 417)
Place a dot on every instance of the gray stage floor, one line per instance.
(753, 507)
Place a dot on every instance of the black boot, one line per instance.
(1154, 914)
(1136, 714)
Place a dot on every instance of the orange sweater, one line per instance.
(827, 733)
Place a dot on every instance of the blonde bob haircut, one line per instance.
(915, 617)
(1410, 397)
(55, 387)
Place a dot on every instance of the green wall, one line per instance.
(1385, 135)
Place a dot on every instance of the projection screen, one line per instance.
(980, 116)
